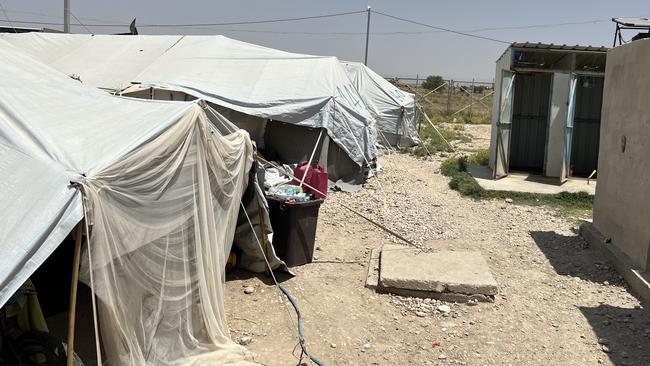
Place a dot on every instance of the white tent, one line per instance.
(304, 90)
(394, 110)
(161, 189)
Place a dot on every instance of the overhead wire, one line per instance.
(440, 28)
(437, 29)
(254, 21)
(181, 25)
(86, 28)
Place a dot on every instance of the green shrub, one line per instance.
(453, 166)
(480, 157)
(577, 199)
(432, 82)
(566, 203)
(464, 183)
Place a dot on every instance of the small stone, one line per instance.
(333, 345)
(249, 290)
(445, 309)
(420, 314)
(442, 357)
(603, 341)
(244, 341)
(605, 349)
(508, 200)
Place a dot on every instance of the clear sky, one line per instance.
(396, 48)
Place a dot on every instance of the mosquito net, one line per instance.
(162, 221)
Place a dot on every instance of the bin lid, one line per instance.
(296, 203)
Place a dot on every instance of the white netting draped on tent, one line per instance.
(163, 219)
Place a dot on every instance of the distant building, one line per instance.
(546, 114)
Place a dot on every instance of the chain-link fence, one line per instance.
(459, 101)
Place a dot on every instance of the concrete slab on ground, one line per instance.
(464, 273)
(523, 182)
(372, 278)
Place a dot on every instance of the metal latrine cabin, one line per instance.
(546, 114)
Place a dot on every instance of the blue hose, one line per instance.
(301, 339)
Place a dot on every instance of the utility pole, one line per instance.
(66, 16)
(365, 61)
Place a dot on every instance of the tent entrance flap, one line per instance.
(504, 123)
(530, 122)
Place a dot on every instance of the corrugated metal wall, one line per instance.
(586, 130)
(530, 122)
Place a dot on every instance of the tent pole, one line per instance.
(73, 291)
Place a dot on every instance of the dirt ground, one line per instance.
(560, 303)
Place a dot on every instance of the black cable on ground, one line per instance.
(301, 339)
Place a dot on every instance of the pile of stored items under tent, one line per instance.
(294, 197)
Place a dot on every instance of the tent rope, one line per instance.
(290, 175)
(283, 290)
(311, 158)
(92, 281)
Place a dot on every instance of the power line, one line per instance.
(441, 28)
(210, 25)
(321, 33)
(77, 19)
(46, 15)
(169, 25)
(253, 21)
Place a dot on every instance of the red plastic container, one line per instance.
(314, 177)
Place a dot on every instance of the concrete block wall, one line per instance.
(622, 203)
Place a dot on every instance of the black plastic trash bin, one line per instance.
(294, 229)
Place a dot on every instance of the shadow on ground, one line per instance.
(624, 331)
(571, 256)
(240, 274)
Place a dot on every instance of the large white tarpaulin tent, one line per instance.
(304, 90)
(161, 190)
(394, 110)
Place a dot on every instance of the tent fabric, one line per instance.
(162, 189)
(305, 90)
(394, 111)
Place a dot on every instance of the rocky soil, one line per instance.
(560, 302)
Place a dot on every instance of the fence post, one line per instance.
(471, 100)
(417, 80)
(450, 88)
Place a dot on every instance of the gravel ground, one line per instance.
(480, 136)
(560, 303)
